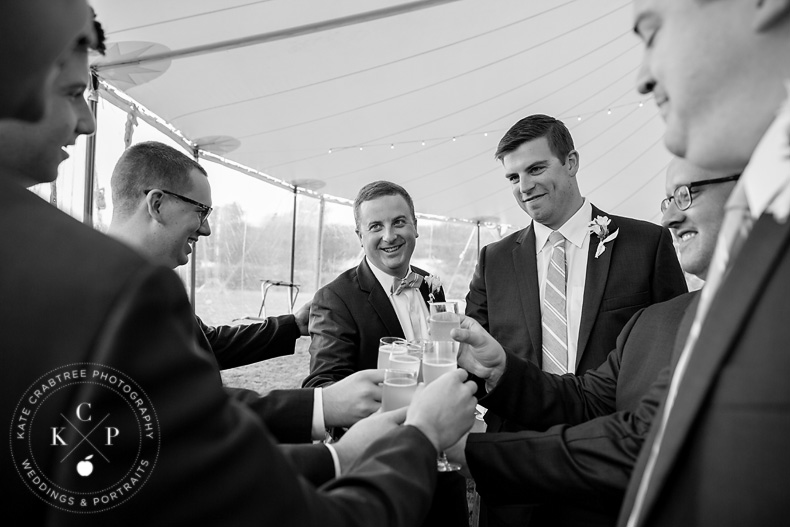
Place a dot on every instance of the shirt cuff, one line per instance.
(319, 427)
(335, 459)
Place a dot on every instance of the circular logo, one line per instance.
(84, 437)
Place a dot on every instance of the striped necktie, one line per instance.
(555, 322)
(735, 229)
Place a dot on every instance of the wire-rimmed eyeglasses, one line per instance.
(203, 210)
(682, 194)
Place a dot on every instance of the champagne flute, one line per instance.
(388, 346)
(399, 385)
(442, 356)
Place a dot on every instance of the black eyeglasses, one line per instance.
(682, 194)
(203, 210)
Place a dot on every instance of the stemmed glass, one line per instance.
(442, 356)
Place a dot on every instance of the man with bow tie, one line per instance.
(384, 296)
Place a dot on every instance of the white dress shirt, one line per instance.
(410, 300)
(577, 244)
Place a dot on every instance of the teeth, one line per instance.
(390, 249)
(688, 236)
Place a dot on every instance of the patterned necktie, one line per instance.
(412, 280)
(555, 322)
(735, 229)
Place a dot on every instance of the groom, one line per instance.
(350, 314)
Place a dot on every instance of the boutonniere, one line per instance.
(600, 227)
(434, 284)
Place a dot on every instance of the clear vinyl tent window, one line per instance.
(254, 236)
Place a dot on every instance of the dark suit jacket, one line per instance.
(287, 413)
(637, 269)
(725, 459)
(348, 316)
(585, 468)
(72, 295)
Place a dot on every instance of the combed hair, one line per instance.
(378, 189)
(534, 127)
(149, 165)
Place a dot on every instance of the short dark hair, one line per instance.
(149, 165)
(534, 127)
(378, 189)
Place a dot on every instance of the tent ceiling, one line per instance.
(298, 79)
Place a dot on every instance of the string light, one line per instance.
(455, 138)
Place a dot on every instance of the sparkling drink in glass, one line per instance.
(441, 358)
(399, 388)
(388, 346)
(442, 319)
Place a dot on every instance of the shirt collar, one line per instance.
(574, 230)
(768, 171)
(384, 279)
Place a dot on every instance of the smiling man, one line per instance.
(547, 292)
(586, 431)
(350, 314)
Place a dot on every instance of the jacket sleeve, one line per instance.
(537, 400)
(476, 298)
(235, 346)
(592, 459)
(288, 414)
(334, 342)
(216, 462)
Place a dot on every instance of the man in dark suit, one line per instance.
(579, 473)
(718, 453)
(637, 267)
(179, 451)
(148, 180)
(608, 274)
(350, 314)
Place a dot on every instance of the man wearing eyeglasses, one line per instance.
(161, 207)
(595, 423)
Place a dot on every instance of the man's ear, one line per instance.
(416, 234)
(768, 13)
(359, 235)
(573, 163)
(153, 203)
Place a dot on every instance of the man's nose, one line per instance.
(645, 82)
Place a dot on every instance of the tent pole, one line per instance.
(90, 156)
(293, 249)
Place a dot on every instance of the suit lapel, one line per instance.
(720, 331)
(378, 299)
(526, 272)
(594, 285)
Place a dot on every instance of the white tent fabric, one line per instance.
(418, 92)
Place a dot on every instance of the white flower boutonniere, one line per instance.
(600, 227)
(434, 284)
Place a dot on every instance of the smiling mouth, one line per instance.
(390, 250)
(686, 236)
(533, 198)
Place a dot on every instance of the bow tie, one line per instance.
(412, 280)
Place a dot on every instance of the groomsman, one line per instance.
(383, 296)
(558, 292)
(579, 473)
(718, 455)
(350, 314)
